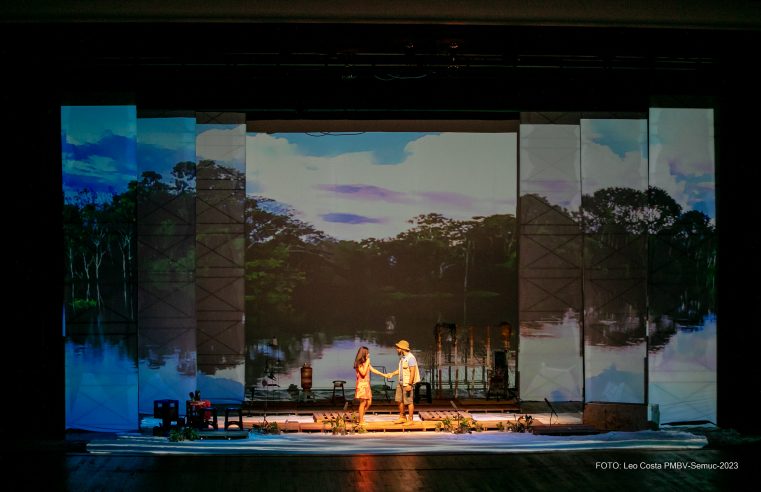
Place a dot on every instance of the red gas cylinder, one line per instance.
(306, 377)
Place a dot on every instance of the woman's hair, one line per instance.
(361, 357)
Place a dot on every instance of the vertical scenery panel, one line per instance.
(550, 303)
(682, 295)
(166, 195)
(98, 154)
(615, 218)
(219, 255)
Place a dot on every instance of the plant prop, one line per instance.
(338, 426)
(523, 424)
(343, 424)
(266, 428)
(461, 426)
(184, 434)
(468, 425)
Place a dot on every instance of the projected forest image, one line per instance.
(98, 146)
(199, 256)
(384, 237)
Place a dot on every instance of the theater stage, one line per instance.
(399, 443)
(435, 429)
(235, 421)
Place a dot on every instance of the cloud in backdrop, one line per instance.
(361, 192)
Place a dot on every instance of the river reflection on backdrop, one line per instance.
(687, 350)
(226, 261)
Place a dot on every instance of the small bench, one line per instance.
(338, 385)
(234, 411)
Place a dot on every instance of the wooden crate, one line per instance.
(616, 416)
(328, 416)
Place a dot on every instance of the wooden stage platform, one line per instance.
(324, 422)
(379, 404)
(475, 415)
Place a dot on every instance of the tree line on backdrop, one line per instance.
(440, 269)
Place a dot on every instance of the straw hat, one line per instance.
(403, 344)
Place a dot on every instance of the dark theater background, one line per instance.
(370, 61)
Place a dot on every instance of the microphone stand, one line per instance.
(456, 409)
(266, 401)
(552, 410)
(269, 373)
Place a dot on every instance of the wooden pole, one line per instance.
(487, 359)
(471, 355)
(456, 380)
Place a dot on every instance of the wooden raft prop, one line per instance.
(443, 414)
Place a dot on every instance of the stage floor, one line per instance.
(374, 443)
(407, 461)
(488, 415)
(441, 472)
(309, 433)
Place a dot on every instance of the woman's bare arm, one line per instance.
(376, 371)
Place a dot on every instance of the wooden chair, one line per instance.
(497, 384)
(386, 382)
